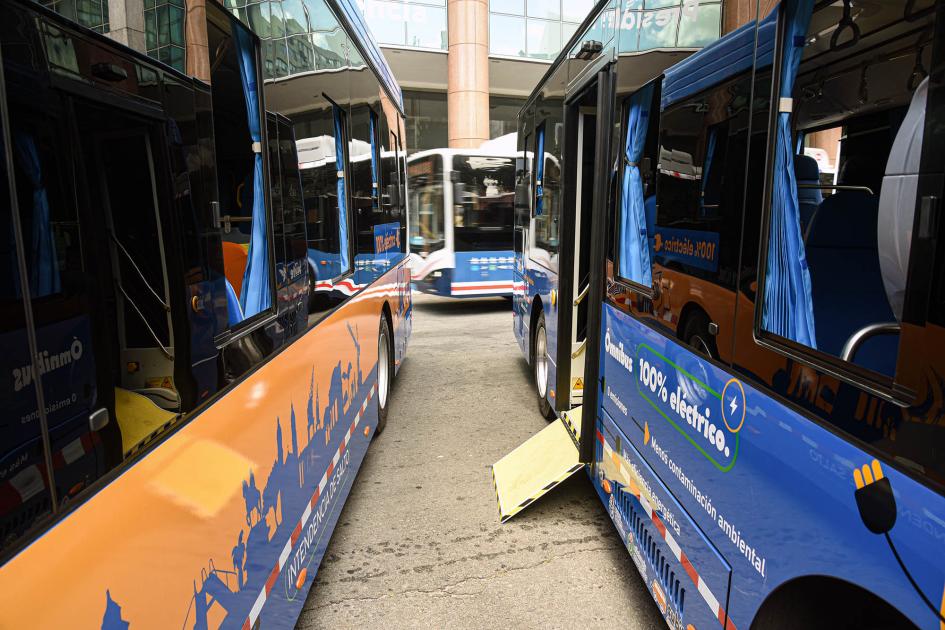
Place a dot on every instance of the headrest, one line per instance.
(806, 169)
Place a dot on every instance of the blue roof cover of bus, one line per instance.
(720, 60)
(351, 13)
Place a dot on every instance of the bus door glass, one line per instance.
(585, 114)
(425, 187)
(24, 488)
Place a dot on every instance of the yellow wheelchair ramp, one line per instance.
(531, 470)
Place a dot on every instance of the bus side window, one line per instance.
(546, 207)
(379, 238)
(322, 159)
(243, 213)
(834, 274)
(28, 499)
(637, 200)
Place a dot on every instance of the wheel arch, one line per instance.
(537, 308)
(822, 601)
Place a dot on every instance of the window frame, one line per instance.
(649, 292)
(863, 378)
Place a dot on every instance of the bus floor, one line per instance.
(419, 544)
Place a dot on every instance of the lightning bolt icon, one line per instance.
(733, 405)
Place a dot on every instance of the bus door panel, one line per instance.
(683, 571)
(523, 203)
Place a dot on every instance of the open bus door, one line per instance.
(562, 448)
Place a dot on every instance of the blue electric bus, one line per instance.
(461, 221)
(749, 355)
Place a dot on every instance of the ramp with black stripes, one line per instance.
(531, 470)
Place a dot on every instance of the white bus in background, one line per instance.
(461, 220)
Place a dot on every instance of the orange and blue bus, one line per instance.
(182, 421)
(748, 354)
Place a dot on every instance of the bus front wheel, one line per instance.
(384, 373)
(540, 368)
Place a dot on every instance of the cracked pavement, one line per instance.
(419, 543)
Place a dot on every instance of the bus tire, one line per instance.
(696, 335)
(540, 368)
(385, 371)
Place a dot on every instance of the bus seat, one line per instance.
(897, 200)
(806, 171)
(846, 282)
(234, 311)
(234, 264)
(139, 419)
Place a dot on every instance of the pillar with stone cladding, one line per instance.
(468, 73)
(195, 37)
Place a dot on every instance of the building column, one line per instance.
(468, 73)
(197, 53)
(126, 23)
(739, 12)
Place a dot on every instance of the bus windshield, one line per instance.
(483, 202)
(425, 183)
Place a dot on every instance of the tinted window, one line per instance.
(483, 203)
(425, 187)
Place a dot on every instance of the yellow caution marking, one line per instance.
(579, 383)
(531, 470)
(572, 421)
(139, 419)
(646, 432)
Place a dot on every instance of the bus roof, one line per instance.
(349, 13)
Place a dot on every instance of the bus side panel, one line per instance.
(482, 274)
(541, 288)
(684, 573)
(757, 477)
(228, 519)
(401, 306)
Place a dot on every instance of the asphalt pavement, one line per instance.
(419, 543)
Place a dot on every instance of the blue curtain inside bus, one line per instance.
(788, 305)
(706, 169)
(234, 311)
(540, 171)
(634, 258)
(256, 295)
(375, 183)
(343, 254)
(44, 267)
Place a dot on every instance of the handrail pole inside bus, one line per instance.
(602, 175)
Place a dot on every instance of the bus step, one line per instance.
(531, 470)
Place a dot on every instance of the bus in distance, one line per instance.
(748, 351)
(182, 422)
(461, 221)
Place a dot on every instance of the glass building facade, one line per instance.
(536, 29)
(89, 13)
(411, 23)
(164, 31)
